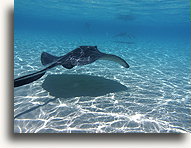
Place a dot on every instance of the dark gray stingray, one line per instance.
(124, 42)
(123, 34)
(82, 55)
(125, 17)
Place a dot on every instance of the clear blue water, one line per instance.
(152, 36)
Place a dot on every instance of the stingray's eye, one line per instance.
(96, 47)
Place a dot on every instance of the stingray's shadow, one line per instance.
(67, 86)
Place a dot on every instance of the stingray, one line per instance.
(82, 55)
(124, 42)
(123, 34)
(125, 17)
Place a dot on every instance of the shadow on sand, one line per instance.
(68, 86)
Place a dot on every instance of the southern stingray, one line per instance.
(82, 55)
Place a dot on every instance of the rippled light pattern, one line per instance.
(152, 96)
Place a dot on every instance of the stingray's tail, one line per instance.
(28, 78)
(115, 58)
(46, 59)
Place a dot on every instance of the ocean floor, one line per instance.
(152, 96)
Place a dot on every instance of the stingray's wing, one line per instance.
(47, 58)
(114, 58)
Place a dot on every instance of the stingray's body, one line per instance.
(82, 55)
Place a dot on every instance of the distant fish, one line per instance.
(120, 34)
(82, 55)
(125, 17)
(124, 42)
(123, 34)
(87, 26)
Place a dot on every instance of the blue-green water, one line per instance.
(153, 95)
